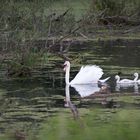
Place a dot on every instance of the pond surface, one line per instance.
(41, 107)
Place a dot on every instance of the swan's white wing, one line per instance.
(88, 74)
(104, 80)
(86, 90)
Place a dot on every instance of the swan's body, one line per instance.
(123, 81)
(128, 81)
(87, 74)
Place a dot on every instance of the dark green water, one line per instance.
(36, 108)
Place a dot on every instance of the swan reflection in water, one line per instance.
(86, 89)
(83, 91)
(89, 90)
(69, 104)
(120, 87)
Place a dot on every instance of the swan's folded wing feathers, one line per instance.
(88, 74)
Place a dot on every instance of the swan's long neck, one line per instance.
(67, 99)
(118, 79)
(67, 92)
(67, 75)
(136, 78)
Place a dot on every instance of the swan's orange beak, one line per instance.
(64, 67)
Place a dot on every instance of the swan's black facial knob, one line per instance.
(64, 67)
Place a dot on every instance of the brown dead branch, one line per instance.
(132, 29)
(84, 36)
(63, 56)
(58, 44)
(118, 20)
(59, 18)
(72, 32)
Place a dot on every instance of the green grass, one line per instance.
(93, 125)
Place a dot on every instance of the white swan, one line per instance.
(123, 81)
(136, 77)
(87, 74)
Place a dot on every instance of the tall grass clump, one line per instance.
(22, 24)
(117, 8)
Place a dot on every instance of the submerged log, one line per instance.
(115, 20)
